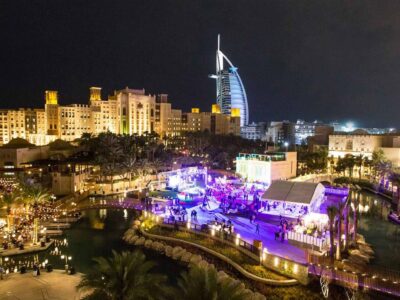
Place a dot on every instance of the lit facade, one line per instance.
(342, 144)
(215, 123)
(231, 93)
(127, 111)
(365, 144)
(267, 168)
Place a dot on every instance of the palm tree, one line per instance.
(124, 276)
(202, 283)
(349, 162)
(33, 195)
(7, 200)
(332, 212)
(394, 178)
(85, 138)
(383, 168)
(151, 144)
(130, 153)
(346, 223)
(359, 162)
(341, 207)
(109, 155)
(376, 159)
(356, 203)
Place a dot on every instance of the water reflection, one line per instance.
(383, 235)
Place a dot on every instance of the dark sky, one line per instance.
(327, 60)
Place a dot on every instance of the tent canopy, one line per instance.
(295, 192)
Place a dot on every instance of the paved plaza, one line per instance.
(48, 286)
(248, 233)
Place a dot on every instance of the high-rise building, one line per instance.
(280, 133)
(231, 93)
(254, 131)
(304, 130)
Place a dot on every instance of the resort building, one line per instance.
(267, 168)
(361, 143)
(19, 152)
(127, 111)
(231, 93)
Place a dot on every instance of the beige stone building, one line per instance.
(127, 111)
(359, 143)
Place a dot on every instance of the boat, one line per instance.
(394, 218)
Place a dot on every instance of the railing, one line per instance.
(320, 243)
(374, 278)
(108, 204)
(280, 264)
(220, 234)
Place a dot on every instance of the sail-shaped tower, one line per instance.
(230, 89)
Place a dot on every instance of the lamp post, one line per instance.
(66, 258)
(286, 144)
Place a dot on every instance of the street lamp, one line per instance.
(286, 144)
(66, 258)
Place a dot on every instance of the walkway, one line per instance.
(28, 248)
(55, 286)
(248, 233)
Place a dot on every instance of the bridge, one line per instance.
(109, 204)
(372, 278)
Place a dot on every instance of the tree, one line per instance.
(124, 276)
(394, 178)
(359, 162)
(340, 167)
(203, 284)
(356, 203)
(346, 223)
(379, 163)
(151, 144)
(340, 209)
(130, 153)
(8, 199)
(383, 168)
(109, 154)
(86, 140)
(349, 163)
(332, 212)
(33, 195)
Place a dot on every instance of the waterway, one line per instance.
(96, 234)
(383, 235)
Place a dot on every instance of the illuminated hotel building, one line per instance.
(230, 89)
(127, 111)
(267, 167)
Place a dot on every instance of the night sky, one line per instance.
(326, 60)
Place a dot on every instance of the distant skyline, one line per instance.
(325, 60)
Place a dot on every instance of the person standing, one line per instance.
(257, 228)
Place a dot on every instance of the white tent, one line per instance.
(302, 193)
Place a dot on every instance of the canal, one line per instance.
(383, 235)
(96, 234)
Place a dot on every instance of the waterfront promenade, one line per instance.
(56, 285)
